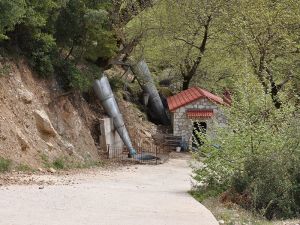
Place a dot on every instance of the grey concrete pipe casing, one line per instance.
(144, 77)
(104, 93)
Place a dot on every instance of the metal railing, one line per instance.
(143, 155)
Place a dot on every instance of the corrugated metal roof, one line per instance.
(192, 114)
(192, 94)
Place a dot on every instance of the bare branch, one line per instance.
(187, 42)
(121, 16)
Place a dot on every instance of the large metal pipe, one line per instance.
(103, 91)
(143, 75)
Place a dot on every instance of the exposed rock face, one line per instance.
(36, 125)
(39, 123)
(25, 95)
(43, 123)
(68, 147)
(22, 140)
(51, 170)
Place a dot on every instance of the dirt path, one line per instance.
(134, 195)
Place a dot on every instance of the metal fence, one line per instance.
(144, 154)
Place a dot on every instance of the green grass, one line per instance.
(59, 164)
(233, 214)
(201, 195)
(91, 164)
(65, 163)
(5, 165)
(45, 160)
(24, 168)
(5, 70)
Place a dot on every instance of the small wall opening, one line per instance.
(198, 128)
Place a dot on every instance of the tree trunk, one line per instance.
(186, 82)
(70, 52)
(192, 69)
(275, 99)
(274, 88)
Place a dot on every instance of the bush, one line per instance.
(42, 53)
(59, 163)
(24, 168)
(271, 184)
(4, 70)
(258, 161)
(71, 77)
(5, 164)
(40, 48)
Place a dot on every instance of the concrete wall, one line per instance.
(109, 136)
(183, 126)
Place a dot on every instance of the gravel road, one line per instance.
(132, 195)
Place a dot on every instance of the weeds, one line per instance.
(5, 165)
(59, 163)
(4, 70)
(24, 168)
(65, 163)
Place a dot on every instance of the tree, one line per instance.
(123, 12)
(86, 29)
(181, 33)
(254, 160)
(268, 33)
(11, 13)
(70, 25)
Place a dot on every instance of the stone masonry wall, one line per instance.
(183, 126)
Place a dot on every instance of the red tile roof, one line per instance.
(192, 114)
(192, 94)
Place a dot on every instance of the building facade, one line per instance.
(196, 110)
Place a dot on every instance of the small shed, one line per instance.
(196, 110)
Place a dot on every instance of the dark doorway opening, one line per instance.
(198, 129)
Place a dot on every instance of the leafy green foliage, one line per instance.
(71, 77)
(4, 70)
(85, 29)
(59, 163)
(24, 168)
(259, 155)
(70, 25)
(43, 49)
(268, 34)
(11, 13)
(5, 165)
(100, 41)
(48, 31)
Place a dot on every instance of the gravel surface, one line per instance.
(131, 195)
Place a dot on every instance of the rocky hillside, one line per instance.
(37, 124)
(41, 125)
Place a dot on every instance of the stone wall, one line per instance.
(183, 126)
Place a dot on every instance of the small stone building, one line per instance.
(195, 110)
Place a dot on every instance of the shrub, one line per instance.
(41, 58)
(5, 164)
(24, 167)
(11, 13)
(59, 163)
(258, 161)
(71, 77)
(269, 181)
(4, 70)
(40, 48)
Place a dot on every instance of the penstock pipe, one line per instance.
(103, 91)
